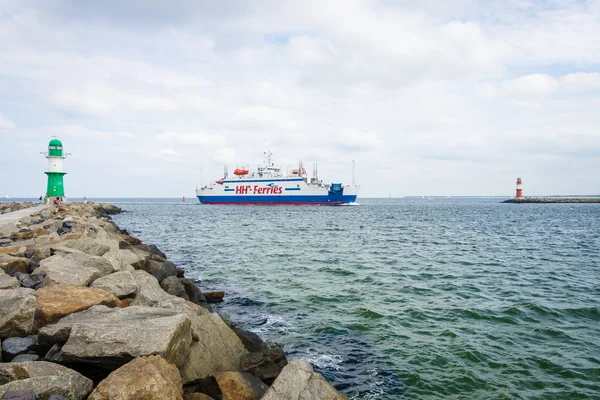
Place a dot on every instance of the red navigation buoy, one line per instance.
(519, 189)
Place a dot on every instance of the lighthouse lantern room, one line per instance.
(55, 157)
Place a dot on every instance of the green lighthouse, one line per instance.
(55, 171)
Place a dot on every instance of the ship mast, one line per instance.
(353, 181)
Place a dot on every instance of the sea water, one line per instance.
(404, 299)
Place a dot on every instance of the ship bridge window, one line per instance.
(226, 187)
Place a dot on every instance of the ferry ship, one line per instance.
(271, 185)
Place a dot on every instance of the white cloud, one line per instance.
(535, 85)
(225, 155)
(581, 81)
(193, 139)
(6, 123)
(168, 155)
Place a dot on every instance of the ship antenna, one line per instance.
(353, 181)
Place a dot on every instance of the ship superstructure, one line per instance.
(272, 185)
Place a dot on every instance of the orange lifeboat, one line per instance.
(295, 171)
(240, 172)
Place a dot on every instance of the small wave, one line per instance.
(271, 323)
(370, 314)
(539, 309)
(337, 271)
(448, 333)
(586, 312)
(325, 361)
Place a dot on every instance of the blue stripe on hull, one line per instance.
(279, 199)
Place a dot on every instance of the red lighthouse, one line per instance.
(519, 189)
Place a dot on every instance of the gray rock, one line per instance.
(57, 397)
(99, 263)
(17, 309)
(14, 346)
(217, 349)
(193, 292)
(63, 271)
(8, 282)
(159, 268)
(126, 257)
(111, 337)
(91, 246)
(30, 280)
(150, 294)
(266, 360)
(44, 379)
(173, 286)
(298, 380)
(121, 284)
(26, 358)
(151, 249)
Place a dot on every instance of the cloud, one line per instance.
(168, 155)
(581, 81)
(6, 123)
(534, 85)
(358, 141)
(193, 139)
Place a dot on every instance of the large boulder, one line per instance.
(125, 258)
(63, 271)
(193, 292)
(111, 337)
(236, 385)
(99, 263)
(10, 264)
(159, 267)
(173, 286)
(8, 282)
(121, 284)
(44, 379)
(91, 246)
(56, 302)
(150, 294)
(218, 349)
(17, 309)
(143, 378)
(265, 360)
(298, 380)
(152, 249)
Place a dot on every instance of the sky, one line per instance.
(153, 98)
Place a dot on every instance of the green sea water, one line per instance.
(404, 299)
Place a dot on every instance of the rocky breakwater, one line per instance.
(553, 200)
(15, 206)
(88, 311)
